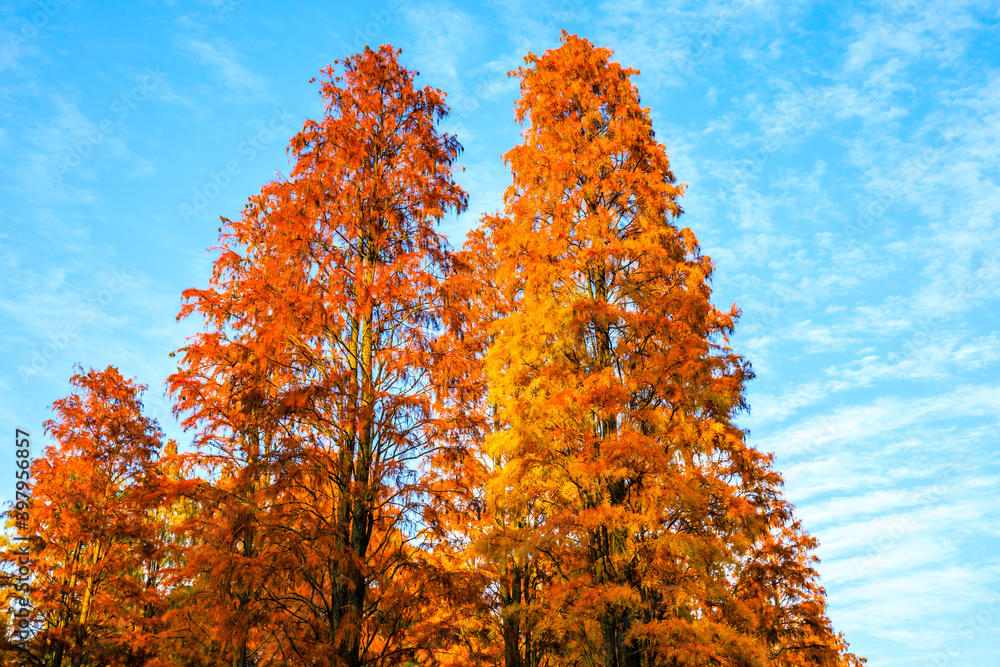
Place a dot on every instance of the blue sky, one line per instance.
(841, 164)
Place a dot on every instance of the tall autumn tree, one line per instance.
(311, 386)
(614, 395)
(98, 530)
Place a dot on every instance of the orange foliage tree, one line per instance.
(613, 393)
(99, 532)
(311, 382)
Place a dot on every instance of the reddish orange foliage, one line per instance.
(312, 378)
(100, 532)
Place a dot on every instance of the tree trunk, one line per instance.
(511, 622)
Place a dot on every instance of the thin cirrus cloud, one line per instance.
(224, 61)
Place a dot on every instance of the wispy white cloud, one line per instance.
(912, 30)
(873, 421)
(226, 62)
(942, 358)
(445, 35)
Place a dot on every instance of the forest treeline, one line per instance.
(521, 453)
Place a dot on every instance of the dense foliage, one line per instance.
(522, 453)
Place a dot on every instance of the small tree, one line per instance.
(99, 532)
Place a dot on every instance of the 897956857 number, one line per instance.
(22, 473)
